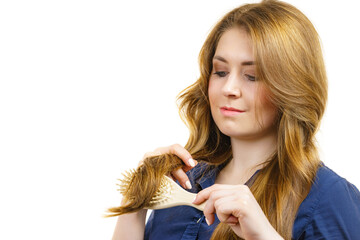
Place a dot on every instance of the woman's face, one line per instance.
(239, 104)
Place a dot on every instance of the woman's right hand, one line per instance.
(137, 219)
(184, 155)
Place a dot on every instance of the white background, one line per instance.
(87, 87)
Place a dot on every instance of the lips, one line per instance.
(230, 111)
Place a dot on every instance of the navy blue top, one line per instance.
(330, 211)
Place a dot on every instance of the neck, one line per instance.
(249, 155)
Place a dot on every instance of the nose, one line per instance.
(232, 87)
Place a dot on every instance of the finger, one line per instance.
(232, 220)
(210, 206)
(205, 193)
(156, 152)
(187, 168)
(235, 208)
(181, 176)
(177, 150)
(183, 154)
(209, 211)
(223, 207)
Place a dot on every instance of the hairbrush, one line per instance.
(151, 191)
(171, 194)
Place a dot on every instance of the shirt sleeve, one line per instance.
(337, 214)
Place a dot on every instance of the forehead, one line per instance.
(235, 45)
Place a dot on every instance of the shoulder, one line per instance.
(331, 189)
(329, 183)
(202, 176)
(331, 209)
(336, 197)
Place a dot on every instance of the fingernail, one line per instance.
(188, 185)
(194, 199)
(207, 221)
(191, 162)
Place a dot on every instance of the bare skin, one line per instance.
(136, 220)
(235, 97)
(240, 218)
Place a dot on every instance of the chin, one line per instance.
(245, 135)
(236, 133)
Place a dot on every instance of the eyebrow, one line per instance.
(246, 63)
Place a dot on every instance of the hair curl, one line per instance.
(289, 62)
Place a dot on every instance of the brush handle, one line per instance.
(178, 198)
(186, 198)
(173, 195)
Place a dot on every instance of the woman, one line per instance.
(253, 115)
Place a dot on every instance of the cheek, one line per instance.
(212, 92)
(268, 111)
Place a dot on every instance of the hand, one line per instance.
(235, 205)
(184, 155)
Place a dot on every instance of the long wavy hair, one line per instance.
(289, 62)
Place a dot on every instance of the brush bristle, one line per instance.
(125, 181)
(163, 193)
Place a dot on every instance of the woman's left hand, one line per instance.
(235, 205)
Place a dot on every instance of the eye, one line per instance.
(250, 77)
(221, 73)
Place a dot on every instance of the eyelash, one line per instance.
(250, 77)
(223, 74)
